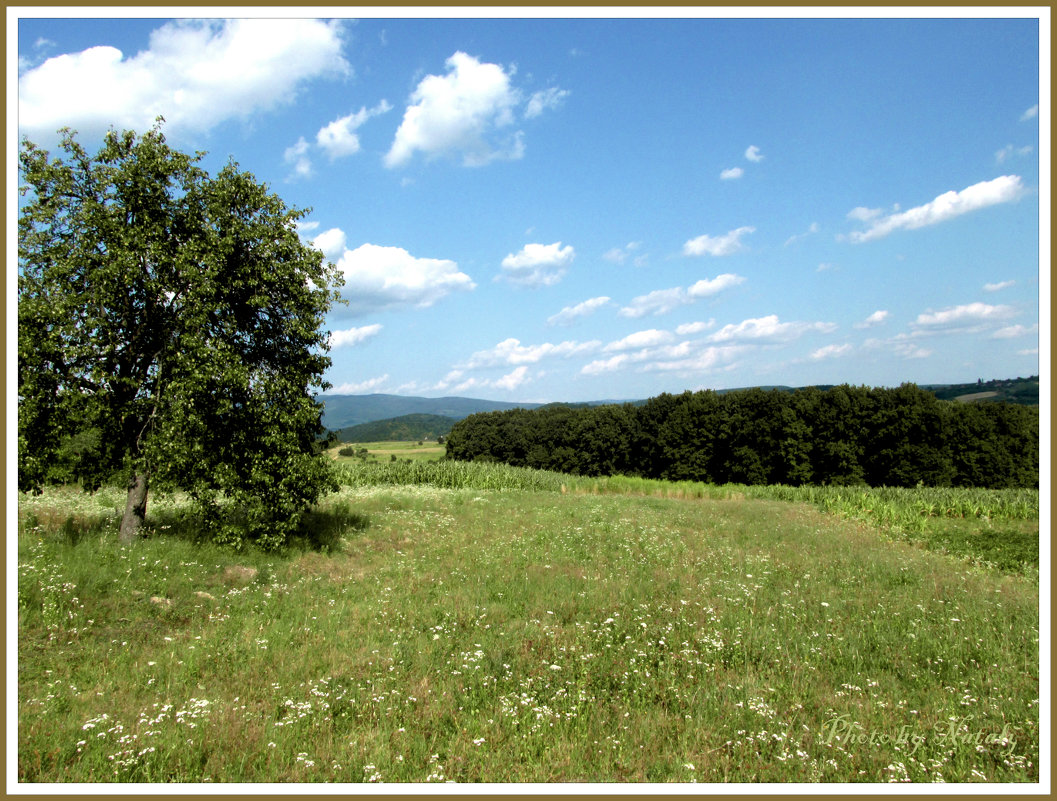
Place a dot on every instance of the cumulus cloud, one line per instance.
(1004, 189)
(195, 73)
(538, 265)
(958, 317)
(622, 254)
(353, 336)
(863, 214)
(1030, 114)
(511, 352)
(297, 156)
(876, 318)
(331, 242)
(662, 301)
(542, 101)
(1012, 331)
(707, 359)
(694, 328)
(768, 330)
(640, 339)
(812, 229)
(712, 286)
(831, 352)
(752, 153)
(998, 286)
(899, 346)
(339, 137)
(378, 277)
(1009, 152)
(570, 313)
(461, 113)
(731, 174)
(508, 382)
(600, 366)
(723, 245)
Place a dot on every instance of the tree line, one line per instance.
(902, 436)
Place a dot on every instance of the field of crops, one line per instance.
(995, 528)
(476, 623)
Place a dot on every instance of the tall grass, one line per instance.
(993, 528)
(489, 635)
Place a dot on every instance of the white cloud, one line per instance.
(908, 350)
(831, 352)
(339, 138)
(1009, 151)
(752, 153)
(863, 214)
(1011, 331)
(511, 352)
(538, 265)
(694, 328)
(196, 73)
(723, 245)
(459, 114)
(640, 339)
(768, 329)
(297, 155)
(547, 99)
(812, 229)
(1030, 114)
(605, 365)
(959, 316)
(620, 255)
(378, 277)
(570, 313)
(508, 382)
(512, 380)
(357, 388)
(353, 336)
(876, 318)
(331, 242)
(662, 301)
(731, 174)
(711, 286)
(708, 359)
(999, 285)
(1004, 189)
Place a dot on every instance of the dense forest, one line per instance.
(901, 436)
(406, 428)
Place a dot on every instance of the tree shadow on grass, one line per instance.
(320, 529)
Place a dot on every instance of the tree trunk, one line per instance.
(135, 509)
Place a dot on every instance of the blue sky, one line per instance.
(582, 209)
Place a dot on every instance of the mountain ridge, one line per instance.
(345, 411)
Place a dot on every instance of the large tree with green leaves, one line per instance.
(170, 334)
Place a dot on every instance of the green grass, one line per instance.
(502, 630)
(385, 451)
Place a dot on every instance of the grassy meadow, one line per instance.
(385, 451)
(476, 623)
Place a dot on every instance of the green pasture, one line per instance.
(444, 622)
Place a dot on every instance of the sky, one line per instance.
(570, 209)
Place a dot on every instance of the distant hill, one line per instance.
(406, 428)
(1023, 391)
(344, 411)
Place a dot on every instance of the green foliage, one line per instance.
(843, 436)
(170, 330)
(406, 428)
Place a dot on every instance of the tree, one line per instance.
(170, 323)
